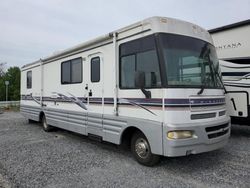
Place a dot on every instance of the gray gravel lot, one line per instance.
(30, 157)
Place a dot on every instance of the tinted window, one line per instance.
(139, 45)
(128, 71)
(95, 69)
(71, 71)
(139, 55)
(189, 62)
(66, 72)
(29, 79)
(148, 62)
(76, 71)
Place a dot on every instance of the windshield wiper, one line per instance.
(201, 90)
(203, 84)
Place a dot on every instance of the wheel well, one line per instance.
(41, 116)
(127, 135)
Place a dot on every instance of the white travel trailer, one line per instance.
(153, 84)
(233, 48)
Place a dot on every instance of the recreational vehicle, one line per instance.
(233, 49)
(153, 84)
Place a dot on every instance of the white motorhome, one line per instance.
(233, 48)
(153, 84)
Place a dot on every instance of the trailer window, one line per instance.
(139, 55)
(29, 79)
(95, 69)
(71, 71)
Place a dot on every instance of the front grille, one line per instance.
(203, 116)
(216, 131)
(215, 135)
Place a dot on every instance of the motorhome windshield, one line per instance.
(189, 62)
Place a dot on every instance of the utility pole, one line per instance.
(7, 84)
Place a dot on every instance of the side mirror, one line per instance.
(140, 79)
(140, 82)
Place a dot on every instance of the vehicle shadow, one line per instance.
(193, 162)
(240, 131)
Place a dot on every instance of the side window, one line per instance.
(139, 55)
(128, 71)
(76, 70)
(71, 71)
(29, 79)
(148, 63)
(65, 72)
(95, 69)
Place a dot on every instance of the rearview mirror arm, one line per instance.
(146, 93)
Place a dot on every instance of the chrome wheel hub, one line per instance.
(45, 124)
(141, 148)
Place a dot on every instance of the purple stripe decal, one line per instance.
(157, 102)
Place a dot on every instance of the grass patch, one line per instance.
(9, 109)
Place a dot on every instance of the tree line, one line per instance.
(12, 75)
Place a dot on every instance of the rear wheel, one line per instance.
(45, 125)
(141, 150)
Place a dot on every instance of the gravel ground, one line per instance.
(30, 157)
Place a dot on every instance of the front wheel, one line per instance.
(141, 150)
(46, 127)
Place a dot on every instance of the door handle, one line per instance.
(90, 93)
(232, 99)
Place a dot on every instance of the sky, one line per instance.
(33, 29)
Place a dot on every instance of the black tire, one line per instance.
(46, 127)
(141, 150)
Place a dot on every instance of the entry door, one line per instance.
(94, 90)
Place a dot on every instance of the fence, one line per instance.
(9, 104)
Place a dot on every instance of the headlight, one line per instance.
(179, 134)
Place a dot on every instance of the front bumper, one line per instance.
(201, 142)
